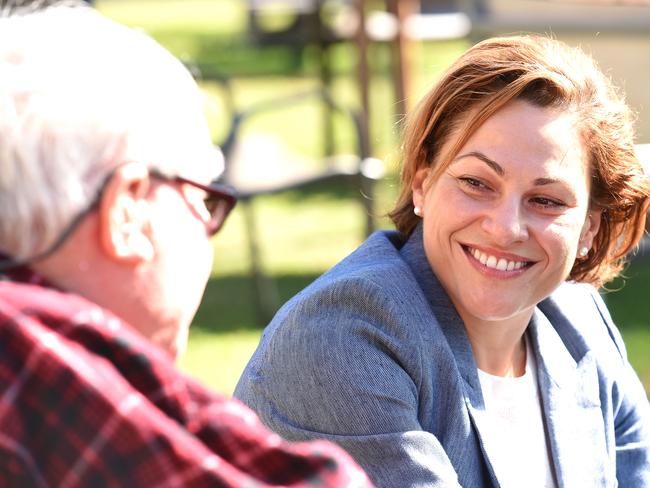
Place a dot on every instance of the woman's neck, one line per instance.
(499, 347)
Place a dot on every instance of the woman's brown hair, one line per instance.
(547, 73)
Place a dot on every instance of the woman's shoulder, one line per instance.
(377, 256)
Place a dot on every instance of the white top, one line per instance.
(512, 429)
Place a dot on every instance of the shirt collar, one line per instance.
(23, 274)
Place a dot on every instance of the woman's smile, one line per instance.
(497, 264)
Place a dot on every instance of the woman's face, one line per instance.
(504, 222)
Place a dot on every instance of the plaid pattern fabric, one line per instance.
(87, 401)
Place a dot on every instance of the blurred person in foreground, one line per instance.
(471, 347)
(106, 213)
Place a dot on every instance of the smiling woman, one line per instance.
(471, 347)
(503, 224)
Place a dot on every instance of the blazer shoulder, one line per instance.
(371, 296)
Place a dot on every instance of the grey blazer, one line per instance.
(374, 357)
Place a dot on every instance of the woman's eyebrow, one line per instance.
(547, 181)
(496, 167)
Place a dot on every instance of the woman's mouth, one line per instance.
(497, 263)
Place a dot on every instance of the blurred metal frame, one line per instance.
(358, 169)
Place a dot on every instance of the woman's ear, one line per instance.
(124, 218)
(590, 229)
(419, 186)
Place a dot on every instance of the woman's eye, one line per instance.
(473, 183)
(547, 202)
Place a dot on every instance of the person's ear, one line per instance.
(124, 219)
(419, 186)
(589, 231)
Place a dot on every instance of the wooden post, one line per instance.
(402, 62)
(363, 76)
(364, 112)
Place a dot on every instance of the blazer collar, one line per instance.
(569, 389)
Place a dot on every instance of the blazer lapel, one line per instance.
(570, 400)
(472, 393)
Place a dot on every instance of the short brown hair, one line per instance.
(547, 73)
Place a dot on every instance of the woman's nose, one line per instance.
(505, 223)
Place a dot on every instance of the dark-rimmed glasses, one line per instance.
(219, 201)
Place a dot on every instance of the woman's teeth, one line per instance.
(500, 264)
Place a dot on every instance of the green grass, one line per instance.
(218, 358)
(298, 232)
(637, 342)
(630, 310)
(182, 18)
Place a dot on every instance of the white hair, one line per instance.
(80, 94)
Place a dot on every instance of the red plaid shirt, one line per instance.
(86, 401)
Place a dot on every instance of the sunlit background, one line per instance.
(306, 90)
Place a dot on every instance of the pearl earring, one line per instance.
(583, 251)
(417, 211)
